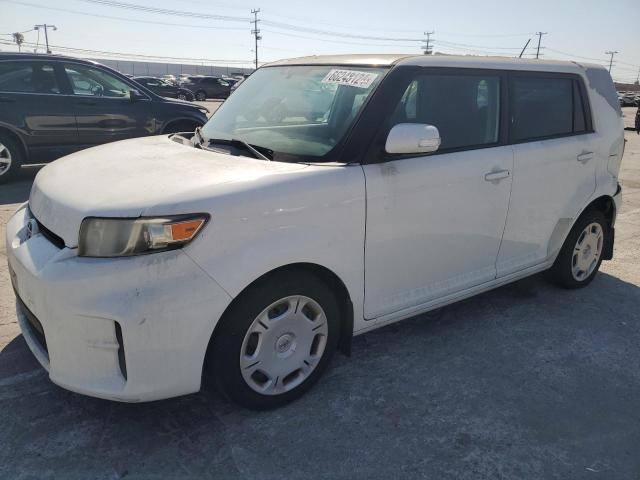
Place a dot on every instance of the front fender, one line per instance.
(316, 216)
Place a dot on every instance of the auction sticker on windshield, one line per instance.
(351, 78)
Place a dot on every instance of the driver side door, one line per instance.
(103, 108)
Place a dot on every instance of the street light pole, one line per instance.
(46, 32)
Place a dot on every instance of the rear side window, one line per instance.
(464, 108)
(545, 107)
(28, 77)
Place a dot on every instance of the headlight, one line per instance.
(121, 237)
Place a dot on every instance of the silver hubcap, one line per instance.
(587, 251)
(5, 159)
(283, 345)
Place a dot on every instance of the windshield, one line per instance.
(299, 112)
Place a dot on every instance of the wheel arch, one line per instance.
(330, 278)
(19, 140)
(177, 121)
(605, 204)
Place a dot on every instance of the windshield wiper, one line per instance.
(256, 150)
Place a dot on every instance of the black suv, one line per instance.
(208, 87)
(52, 105)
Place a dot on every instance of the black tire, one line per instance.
(201, 95)
(182, 96)
(223, 358)
(10, 152)
(561, 271)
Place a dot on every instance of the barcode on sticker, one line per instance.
(352, 78)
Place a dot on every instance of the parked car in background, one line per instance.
(628, 99)
(52, 105)
(170, 79)
(244, 255)
(236, 85)
(205, 87)
(164, 88)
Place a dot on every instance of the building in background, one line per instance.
(156, 69)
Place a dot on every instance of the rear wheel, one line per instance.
(182, 96)
(201, 95)
(581, 255)
(10, 157)
(275, 341)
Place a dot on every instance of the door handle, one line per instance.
(585, 157)
(495, 177)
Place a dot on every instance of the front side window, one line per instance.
(544, 107)
(94, 82)
(464, 108)
(296, 111)
(28, 77)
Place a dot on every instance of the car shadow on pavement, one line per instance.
(528, 378)
(18, 189)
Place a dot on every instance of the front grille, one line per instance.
(49, 235)
(35, 326)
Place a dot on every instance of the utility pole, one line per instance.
(612, 53)
(46, 33)
(539, 40)
(256, 31)
(428, 49)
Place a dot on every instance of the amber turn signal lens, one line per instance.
(185, 230)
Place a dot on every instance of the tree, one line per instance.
(19, 39)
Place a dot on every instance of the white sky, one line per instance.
(585, 28)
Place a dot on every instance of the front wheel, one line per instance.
(581, 255)
(275, 341)
(201, 96)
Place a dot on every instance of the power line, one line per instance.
(282, 25)
(109, 17)
(165, 11)
(135, 56)
(328, 40)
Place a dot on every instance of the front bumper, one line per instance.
(153, 313)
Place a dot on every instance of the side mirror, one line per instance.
(413, 138)
(135, 95)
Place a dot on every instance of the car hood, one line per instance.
(131, 177)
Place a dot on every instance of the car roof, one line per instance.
(45, 56)
(440, 60)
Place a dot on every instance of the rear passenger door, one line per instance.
(33, 102)
(555, 154)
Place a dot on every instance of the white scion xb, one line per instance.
(327, 196)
